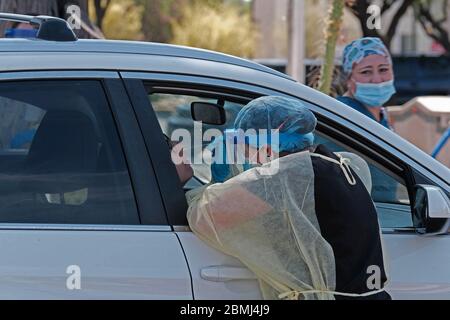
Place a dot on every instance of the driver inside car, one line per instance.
(184, 169)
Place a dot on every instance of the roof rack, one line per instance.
(49, 28)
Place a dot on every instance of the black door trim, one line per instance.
(148, 197)
(170, 188)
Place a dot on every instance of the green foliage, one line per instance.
(213, 25)
(122, 20)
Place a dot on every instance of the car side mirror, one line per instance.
(431, 210)
(209, 113)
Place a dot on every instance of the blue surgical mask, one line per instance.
(374, 94)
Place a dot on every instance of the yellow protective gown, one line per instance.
(266, 218)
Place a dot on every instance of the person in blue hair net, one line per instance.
(367, 65)
(343, 206)
(293, 123)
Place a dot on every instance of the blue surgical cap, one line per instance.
(293, 122)
(361, 48)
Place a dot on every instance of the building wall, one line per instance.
(410, 39)
(410, 30)
(271, 19)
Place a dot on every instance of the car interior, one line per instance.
(389, 191)
(71, 172)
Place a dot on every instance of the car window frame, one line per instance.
(147, 194)
(127, 128)
(363, 144)
(198, 92)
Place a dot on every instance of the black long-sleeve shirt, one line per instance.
(348, 221)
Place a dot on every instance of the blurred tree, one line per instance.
(332, 32)
(56, 8)
(359, 9)
(160, 15)
(123, 20)
(215, 25)
(315, 24)
(434, 23)
(327, 77)
(100, 6)
(157, 18)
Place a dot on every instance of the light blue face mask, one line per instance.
(288, 142)
(374, 94)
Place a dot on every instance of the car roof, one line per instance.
(130, 47)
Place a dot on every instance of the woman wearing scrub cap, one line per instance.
(294, 125)
(370, 82)
(370, 78)
(300, 217)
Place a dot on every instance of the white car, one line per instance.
(90, 202)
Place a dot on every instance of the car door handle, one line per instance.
(225, 273)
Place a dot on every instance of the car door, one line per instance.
(81, 216)
(163, 108)
(416, 264)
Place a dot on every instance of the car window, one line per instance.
(389, 192)
(174, 113)
(61, 159)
